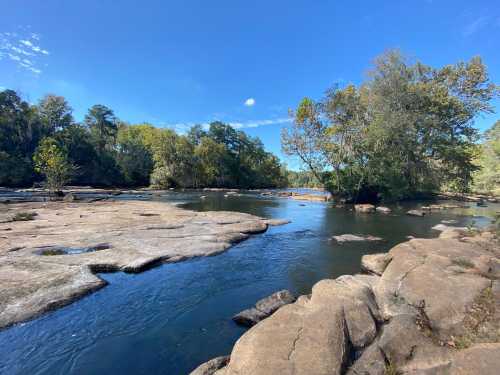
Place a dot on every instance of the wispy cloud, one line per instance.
(476, 25)
(250, 102)
(183, 127)
(22, 49)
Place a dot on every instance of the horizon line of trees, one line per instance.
(406, 131)
(44, 141)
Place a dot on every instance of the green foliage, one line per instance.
(55, 113)
(106, 152)
(51, 161)
(407, 130)
(24, 216)
(487, 179)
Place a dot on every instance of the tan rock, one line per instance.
(210, 367)
(483, 359)
(366, 208)
(375, 263)
(58, 252)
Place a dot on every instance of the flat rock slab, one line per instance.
(354, 238)
(51, 260)
(264, 308)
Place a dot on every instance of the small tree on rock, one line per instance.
(52, 162)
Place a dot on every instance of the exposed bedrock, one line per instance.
(429, 306)
(50, 259)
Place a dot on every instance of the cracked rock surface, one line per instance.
(50, 261)
(429, 306)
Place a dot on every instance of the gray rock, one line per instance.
(384, 210)
(210, 367)
(264, 308)
(352, 238)
(371, 362)
(416, 213)
(272, 303)
(481, 359)
(375, 263)
(249, 317)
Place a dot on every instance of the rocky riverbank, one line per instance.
(428, 306)
(50, 252)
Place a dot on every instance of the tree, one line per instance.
(407, 130)
(20, 132)
(51, 161)
(55, 113)
(134, 157)
(487, 179)
(102, 124)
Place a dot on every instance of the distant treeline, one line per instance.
(299, 179)
(409, 129)
(43, 140)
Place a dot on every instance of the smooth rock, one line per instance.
(416, 213)
(139, 235)
(384, 210)
(481, 359)
(352, 238)
(210, 367)
(366, 208)
(264, 308)
(371, 362)
(375, 263)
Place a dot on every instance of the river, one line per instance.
(170, 319)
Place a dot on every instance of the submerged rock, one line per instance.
(264, 308)
(352, 238)
(416, 213)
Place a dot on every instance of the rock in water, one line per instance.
(264, 308)
(366, 208)
(352, 238)
(416, 213)
(384, 210)
(249, 317)
(210, 367)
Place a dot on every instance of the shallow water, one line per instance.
(172, 318)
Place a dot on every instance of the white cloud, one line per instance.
(23, 51)
(250, 102)
(27, 43)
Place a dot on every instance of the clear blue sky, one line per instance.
(174, 63)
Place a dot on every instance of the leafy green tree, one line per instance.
(487, 178)
(51, 161)
(103, 126)
(407, 130)
(55, 113)
(134, 157)
(20, 132)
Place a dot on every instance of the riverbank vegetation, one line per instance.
(44, 140)
(409, 129)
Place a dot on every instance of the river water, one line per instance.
(172, 318)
